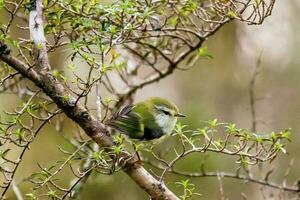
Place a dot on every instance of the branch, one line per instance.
(252, 93)
(17, 191)
(36, 28)
(237, 176)
(92, 127)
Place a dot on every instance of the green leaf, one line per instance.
(64, 78)
(52, 194)
(20, 133)
(184, 183)
(231, 129)
(286, 134)
(201, 132)
(218, 142)
(118, 149)
(119, 139)
(189, 7)
(179, 128)
(72, 67)
(203, 52)
(3, 152)
(280, 147)
(138, 146)
(213, 11)
(274, 136)
(39, 45)
(213, 123)
(259, 139)
(31, 107)
(231, 14)
(113, 29)
(244, 160)
(105, 68)
(173, 21)
(30, 196)
(119, 66)
(45, 2)
(98, 155)
(2, 129)
(107, 100)
(257, 2)
(1, 4)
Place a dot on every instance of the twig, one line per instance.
(252, 92)
(17, 191)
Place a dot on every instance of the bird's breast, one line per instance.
(166, 123)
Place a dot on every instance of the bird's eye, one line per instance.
(166, 112)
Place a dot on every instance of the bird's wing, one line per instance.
(127, 122)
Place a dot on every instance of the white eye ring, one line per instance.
(165, 110)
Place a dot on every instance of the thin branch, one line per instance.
(229, 175)
(252, 93)
(17, 191)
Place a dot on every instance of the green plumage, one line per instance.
(139, 121)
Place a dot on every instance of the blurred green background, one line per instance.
(217, 88)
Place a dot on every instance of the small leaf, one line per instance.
(138, 146)
(201, 132)
(72, 67)
(173, 20)
(286, 134)
(231, 129)
(259, 139)
(107, 100)
(30, 196)
(203, 52)
(56, 73)
(280, 147)
(218, 142)
(3, 152)
(213, 123)
(20, 133)
(52, 194)
(1, 4)
(179, 128)
(118, 149)
(224, 1)
(98, 155)
(257, 2)
(113, 29)
(231, 14)
(39, 46)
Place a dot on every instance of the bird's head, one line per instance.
(165, 113)
(165, 107)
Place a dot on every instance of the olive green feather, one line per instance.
(138, 121)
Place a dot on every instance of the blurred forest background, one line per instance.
(213, 88)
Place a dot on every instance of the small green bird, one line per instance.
(146, 120)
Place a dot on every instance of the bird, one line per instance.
(147, 120)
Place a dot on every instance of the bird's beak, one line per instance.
(179, 115)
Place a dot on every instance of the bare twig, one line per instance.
(17, 191)
(252, 93)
